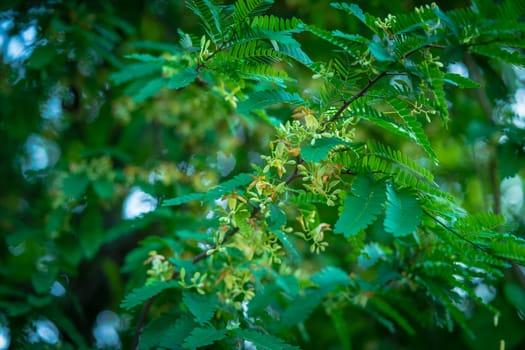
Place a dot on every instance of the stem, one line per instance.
(140, 323)
(295, 174)
(428, 46)
(347, 103)
(200, 65)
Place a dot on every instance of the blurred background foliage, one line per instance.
(83, 168)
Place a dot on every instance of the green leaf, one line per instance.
(356, 11)
(201, 306)
(515, 294)
(379, 52)
(135, 71)
(150, 89)
(460, 81)
(479, 223)
(295, 52)
(290, 248)
(67, 325)
(103, 188)
(144, 57)
(42, 56)
(361, 206)
(509, 247)
(189, 234)
(251, 50)
(75, 185)
(91, 231)
(264, 296)
(14, 308)
(370, 255)
(403, 212)
(263, 341)
(154, 46)
(402, 161)
(510, 159)
(241, 218)
(214, 193)
(413, 126)
(262, 99)
(167, 331)
(277, 218)
(340, 326)
(301, 308)
(209, 13)
(499, 53)
(182, 79)
(43, 280)
(391, 312)
(319, 151)
(248, 8)
(289, 284)
(330, 277)
(39, 301)
(203, 336)
(141, 294)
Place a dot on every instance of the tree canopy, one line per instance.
(258, 175)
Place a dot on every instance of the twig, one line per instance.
(347, 103)
(140, 323)
(370, 83)
(361, 93)
(201, 256)
(295, 174)
(428, 46)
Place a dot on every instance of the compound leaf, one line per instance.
(403, 212)
(263, 341)
(361, 207)
(139, 295)
(201, 306)
(320, 150)
(203, 336)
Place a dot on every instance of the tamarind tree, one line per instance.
(300, 200)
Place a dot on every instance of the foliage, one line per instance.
(346, 216)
